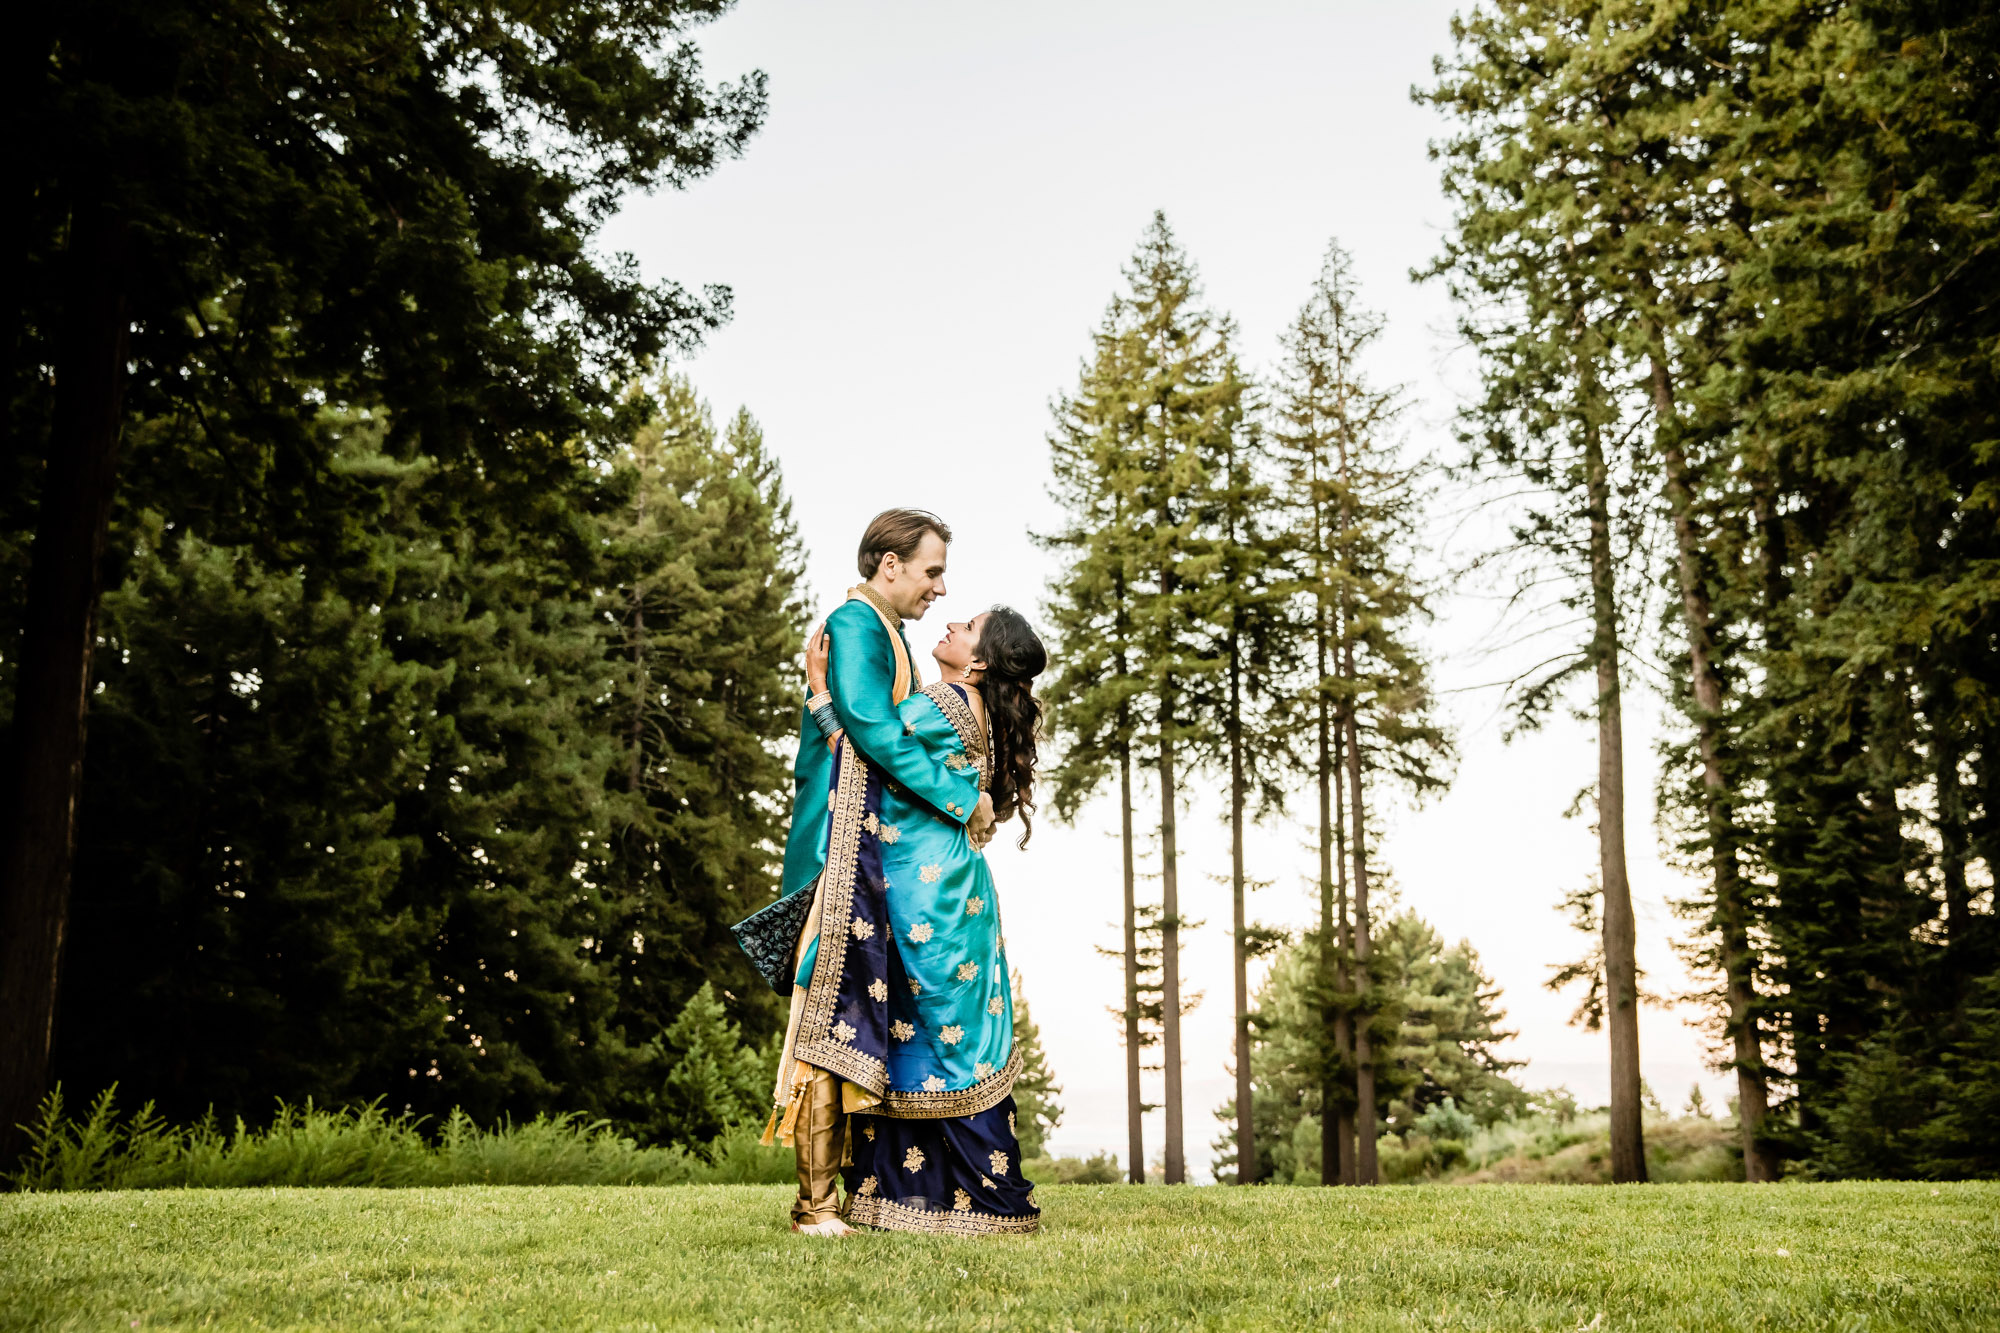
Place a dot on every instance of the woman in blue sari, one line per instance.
(938, 1153)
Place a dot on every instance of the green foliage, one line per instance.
(363, 825)
(310, 1146)
(1758, 242)
(1141, 455)
(1543, 1149)
(353, 824)
(1435, 1025)
(714, 1083)
(1097, 1169)
(1037, 1112)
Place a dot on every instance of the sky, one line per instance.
(920, 242)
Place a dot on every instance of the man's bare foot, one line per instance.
(833, 1226)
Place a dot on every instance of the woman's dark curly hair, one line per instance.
(1013, 657)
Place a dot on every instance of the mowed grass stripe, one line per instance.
(1838, 1257)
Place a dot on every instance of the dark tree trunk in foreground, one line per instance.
(1135, 1107)
(44, 773)
(1731, 914)
(1621, 971)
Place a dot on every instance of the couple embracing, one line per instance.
(898, 1066)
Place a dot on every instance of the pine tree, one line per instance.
(1353, 509)
(703, 613)
(1157, 412)
(1091, 699)
(1037, 1112)
(1533, 259)
(714, 1081)
(1250, 630)
(332, 845)
(1443, 1022)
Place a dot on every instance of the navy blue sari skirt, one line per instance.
(960, 1175)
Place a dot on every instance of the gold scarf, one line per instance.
(907, 676)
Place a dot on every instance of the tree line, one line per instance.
(1235, 596)
(431, 668)
(438, 649)
(1729, 272)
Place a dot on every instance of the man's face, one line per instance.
(910, 586)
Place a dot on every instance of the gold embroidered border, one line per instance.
(892, 1216)
(959, 713)
(988, 1092)
(816, 1044)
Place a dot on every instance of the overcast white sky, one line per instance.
(920, 242)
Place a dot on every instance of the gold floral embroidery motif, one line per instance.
(1010, 1122)
(920, 933)
(960, 1201)
(982, 1070)
(985, 1183)
(873, 823)
(915, 989)
(891, 834)
(878, 990)
(934, 1084)
(843, 1032)
(901, 1031)
(974, 906)
(998, 1161)
(967, 971)
(868, 1185)
(929, 874)
(913, 1160)
(893, 1216)
(869, 1130)
(952, 1035)
(957, 763)
(860, 929)
(925, 1104)
(996, 1006)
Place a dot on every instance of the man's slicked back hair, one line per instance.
(898, 530)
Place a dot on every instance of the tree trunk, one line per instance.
(1343, 1020)
(1952, 843)
(1731, 916)
(1135, 1106)
(1246, 1133)
(1331, 1150)
(1365, 1172)
(636, 770)
(44, 776)
(1170, 963)
(1621, 979)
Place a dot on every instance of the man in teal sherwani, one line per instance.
(836, 1041)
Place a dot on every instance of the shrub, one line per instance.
(310, 1145)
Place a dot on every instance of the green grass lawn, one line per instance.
(1789, 1257)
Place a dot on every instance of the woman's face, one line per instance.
(959, 649)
